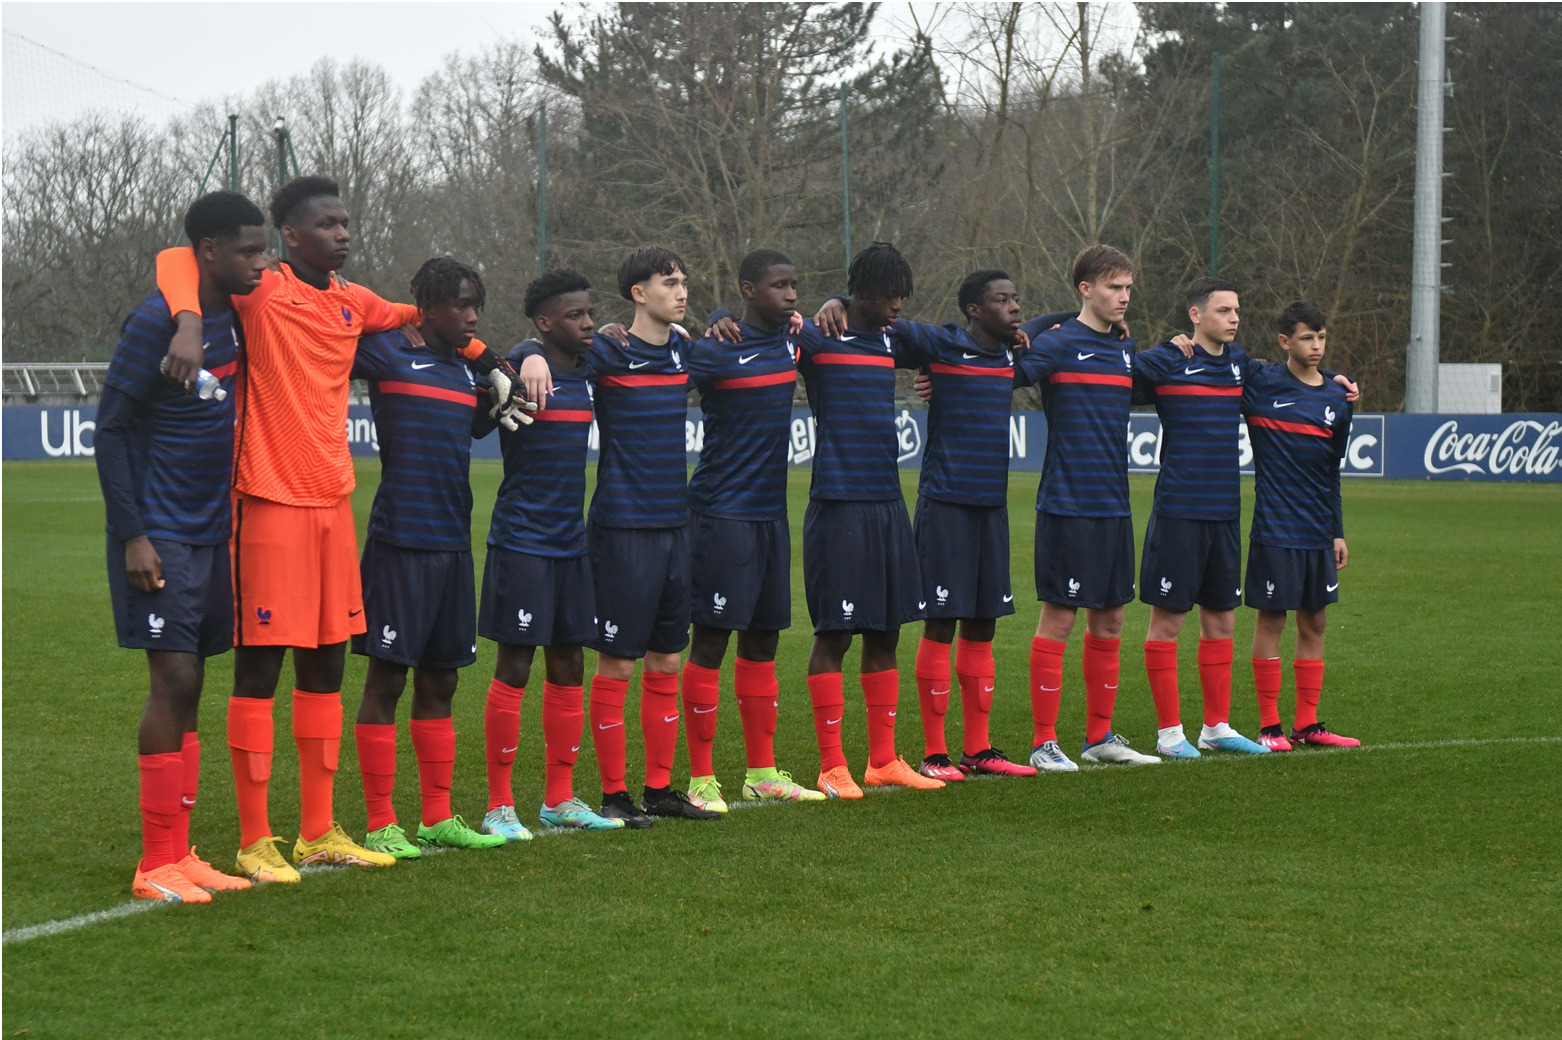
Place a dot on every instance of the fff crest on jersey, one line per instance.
(1236, 372)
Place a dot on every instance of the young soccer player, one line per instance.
(962, 516)
(1192, 548)
(163, 458)
(1299, 425)
(418, 597)
(537, 587)
(859, 555)
(742, 574)
(1084, 530)
(294, 546)
(638, 533)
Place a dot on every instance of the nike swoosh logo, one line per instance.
(669, 718)
(608, 725)
(891, 714)
(847, 339)
(938, 693)
(746, 360)
(355, 613)
(638, 364)
(1191, 371)
(508, 750)
(575, 748)
(1051, 689)
(1286, 405)
(1009, 598)
(1111, 686)
(921, 604)
(987, 689)
(418, 368)
(705, 711)
(1086, 357)
(965, 355)
(833, 722)
(187, 802)
(1331, 588)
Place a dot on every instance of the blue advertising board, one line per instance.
(1435, 447)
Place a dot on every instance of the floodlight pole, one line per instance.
(846, 180)
(279, 131)
(1214, 166)
(233, 152)
(542, 188)
(1426, 271)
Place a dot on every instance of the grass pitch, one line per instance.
(1408, 888)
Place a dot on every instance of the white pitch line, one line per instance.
(70, 924)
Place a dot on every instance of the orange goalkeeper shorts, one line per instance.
(295, 574)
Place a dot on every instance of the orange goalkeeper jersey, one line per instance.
(290, 435)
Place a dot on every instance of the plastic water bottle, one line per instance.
(208, 388)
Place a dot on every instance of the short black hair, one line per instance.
(1301, 312)
(439, 280)
(289, 198)
(974, 288)
(879, 273)
(758, 263)
(1203, 288)
(646, 263)
(556, 281)
(220, 214)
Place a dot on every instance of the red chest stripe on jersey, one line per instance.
(1090, 377)
(1199, 391)
(744, 382)
(972, 370)
(875, 360)
(224, 371)
(562, 415)
(645, 380)
(439, 393)
(1289, 427)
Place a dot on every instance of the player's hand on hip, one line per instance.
(1341, 554)
(186, 351)
(143, 566)
(726, 330)
(831, 318)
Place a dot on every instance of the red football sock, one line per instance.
(659, 724)
(933, 693)
(563, 714)
(607, 730)
(1309, 687)
(881, 691)
(250, 741)
(758, 698)
(1101, 673)
(501, 739)
(1215, 678)
(701, 696)
(1046, 687)
(162, 779)
(377, 763)
(317, 730)
(829, 702)
(434, 742)
(975, 669)
(1266, 683)
(1160, 663)
(190, 757)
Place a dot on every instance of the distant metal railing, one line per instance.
(32, 381)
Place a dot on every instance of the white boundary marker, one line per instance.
(71, 924)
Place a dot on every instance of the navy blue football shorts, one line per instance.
(419, 607)
(642, 581)
(742, 574)
(860, 569)
(537, 600)
(1290, 579)
(1188, 562)
(1084, 561)
(964, 556)
(191, 614)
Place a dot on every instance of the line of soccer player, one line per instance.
(230, 525)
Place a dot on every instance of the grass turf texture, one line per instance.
(1401, 891)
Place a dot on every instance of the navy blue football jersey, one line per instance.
(642, 406)
(1299, 435)
(1087, 385)
(966, 460)
(541, 502)
(424, 405)
(746, 396)
(181, 453)
(1199, 400)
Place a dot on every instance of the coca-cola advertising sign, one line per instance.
(1497, 447)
